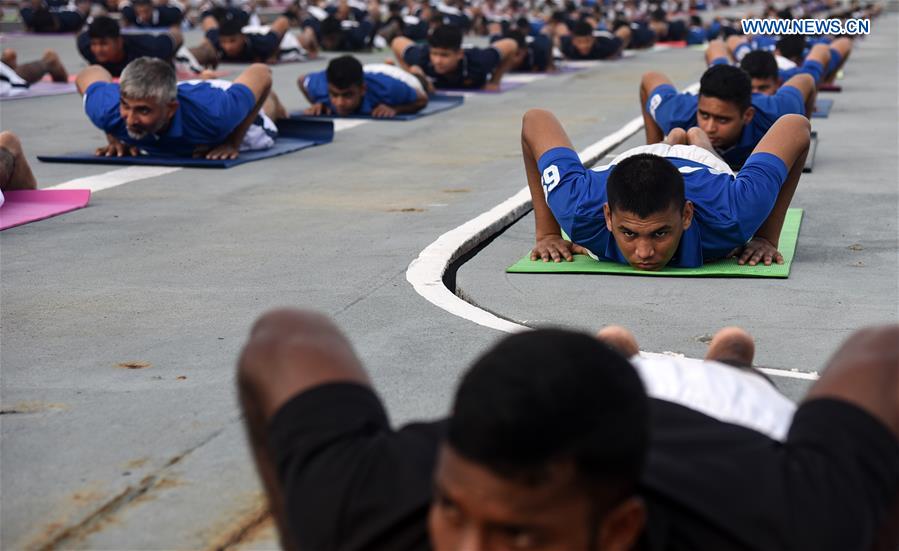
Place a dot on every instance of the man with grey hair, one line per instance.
(149, 112)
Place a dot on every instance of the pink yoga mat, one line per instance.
(22, 207)
(41, 88)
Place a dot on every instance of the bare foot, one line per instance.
(732, 345)
(55, 67)
(620, 339)
(10, 58)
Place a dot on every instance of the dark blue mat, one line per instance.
(436, 104)
(292, 136)
(822, 108)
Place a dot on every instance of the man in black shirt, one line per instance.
(104, 44)
(547, 435)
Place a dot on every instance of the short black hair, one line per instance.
(582, 28)
(791, 46)
(760, 64)
(658, 15)
(230, 26)
(331, 25)
(727, 83)
(446, 36)
(518, 37)
(551, 395)
(141, 2)
(645, 184)
(696, 21)
(345, 71)
(104, 27)
(43, 21)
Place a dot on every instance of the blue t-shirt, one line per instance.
(379, 88)
(160, 46)
(207, 114)
(258, 47)
(809, 67)
(473, 71)
(764, 43)
(673, 110)
(728, 209)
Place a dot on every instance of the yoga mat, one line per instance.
(822, 108)
(583, 264)
(673, 44)
(812, 149)
(436, 104)
(24, 206)
(830, 88)
(40, 89)
(293, 136)
(503, 87)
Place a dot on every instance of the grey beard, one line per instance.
(136, 135)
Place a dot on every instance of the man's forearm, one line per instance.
(236, 137)
(413, 107)
(545, 222)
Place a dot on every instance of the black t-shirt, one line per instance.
(472, 73)
(353, 483)
(161, 46)
(605, 45)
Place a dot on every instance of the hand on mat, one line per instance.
(317, 109)
(757, 250)
(553, 247)
(223, 151)
(491, 87)
(382, 111)
(115, 148)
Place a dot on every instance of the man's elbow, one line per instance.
(531, 120)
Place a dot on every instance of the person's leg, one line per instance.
(620, 339)
(717, 49)
(280, 26)
(205, 54)
(648, 83)
(841, 48)
(15, 172)
(624, 34)
(308, 41)
(733, 346)
(273, 108)
(399, 46)
(49, 63)
(10, 58)
(677, 136)
(287, 353)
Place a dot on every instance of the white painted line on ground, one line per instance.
(426, 272)
(113, 178)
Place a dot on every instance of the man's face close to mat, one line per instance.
(346, 101)
(583, 44)
(766, 86)
(108, 50)
(145, 116)
(445, 60)
(648, 243)
(233, 44)
(721, 120)
(474, 509)
(143, 12)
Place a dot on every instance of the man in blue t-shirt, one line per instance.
(732, 116)
(148, 112)
(348, 88)
(103, 44)
(448, 65)
(233, 43)
(668, 204)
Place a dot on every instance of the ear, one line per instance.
(748, 114)
(607, 214)
(172, 107)
(622, 526)
(688, 214)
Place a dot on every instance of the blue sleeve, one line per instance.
(572, 196)
(101, 104)
(416, 55)
(237, 105)
(719, 61)
(788, 100)
(398, 92)
(670, 109)
(317, 86)
(835, 59)
(755, 190)
(814, 68)
(741, 50)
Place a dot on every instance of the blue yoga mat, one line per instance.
(292, 136)
(436, 104)
(822, 108)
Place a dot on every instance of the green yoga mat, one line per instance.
(583, 264)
